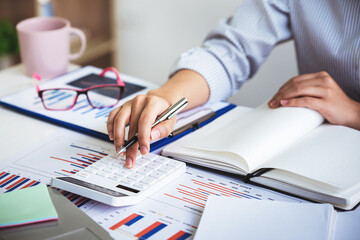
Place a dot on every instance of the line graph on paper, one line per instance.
(59, 156)
(192, 191)
(175, 211)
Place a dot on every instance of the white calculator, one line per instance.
(108, 181)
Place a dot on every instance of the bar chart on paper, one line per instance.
(175, 211)
(59, 156)
(172, 213)
(148, 220)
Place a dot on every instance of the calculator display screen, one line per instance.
(127, 188)
(92, 186)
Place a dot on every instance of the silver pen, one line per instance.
(169, 113)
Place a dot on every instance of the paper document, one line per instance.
(231, 218)
(178, 206)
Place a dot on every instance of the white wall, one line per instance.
(152, 33)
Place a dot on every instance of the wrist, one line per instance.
(169, 96)
(355, 116)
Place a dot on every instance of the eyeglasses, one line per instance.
(98, 96)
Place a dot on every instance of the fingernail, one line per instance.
(284, 102)
(121, 154)
(155, 134)
(143, 150)
(128, 163)
(111, 136)
(273, 103)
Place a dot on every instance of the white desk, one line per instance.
(19, 131)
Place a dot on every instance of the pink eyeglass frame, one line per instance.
(120, 84)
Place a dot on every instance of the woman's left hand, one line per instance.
(320, 92)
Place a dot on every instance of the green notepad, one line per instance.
(26, 206)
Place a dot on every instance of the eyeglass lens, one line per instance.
(58, 99)
(104, 96)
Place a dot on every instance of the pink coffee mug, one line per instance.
(45, 45)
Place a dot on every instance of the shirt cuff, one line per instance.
(209, 67)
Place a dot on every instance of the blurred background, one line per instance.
(143, 38)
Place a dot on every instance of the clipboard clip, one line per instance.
(193, 125)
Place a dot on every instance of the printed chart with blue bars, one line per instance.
(172, 213)
(58, 157)
(149, 230)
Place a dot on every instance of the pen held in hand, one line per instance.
(169, 113)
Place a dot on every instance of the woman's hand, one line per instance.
(140, 112)
(320, 92)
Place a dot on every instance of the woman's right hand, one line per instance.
(140, 113)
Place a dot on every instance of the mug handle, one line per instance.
(82, 37)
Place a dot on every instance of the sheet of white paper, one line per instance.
(230, 218)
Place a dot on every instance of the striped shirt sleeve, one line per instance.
(235, 49)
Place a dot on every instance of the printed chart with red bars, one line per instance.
(175, 211)
(152, 221)
(148, 231)
(10, 182)
(59, 156)
(172, 213)
(195, 187)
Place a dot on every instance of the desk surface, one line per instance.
(19, 131)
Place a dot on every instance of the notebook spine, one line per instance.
(257, 173)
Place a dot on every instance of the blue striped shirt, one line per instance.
(326, 34)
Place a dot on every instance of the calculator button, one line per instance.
(148, 180)
(161, 160)
(118, 164)
(90, 170)
(150, 157)
(127, 182)
(153, 165)
(98, 165)
(115, 177)
(144, 171)
(135, 176)
(134, 168)
(175, 164)
(83, 174)
(166, 169)
(140, 185)
(142, 161)
(109, 169)
(157, 174)
(102, 174)
(123, 173)
(107, 160)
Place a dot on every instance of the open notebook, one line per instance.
(289, 149)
